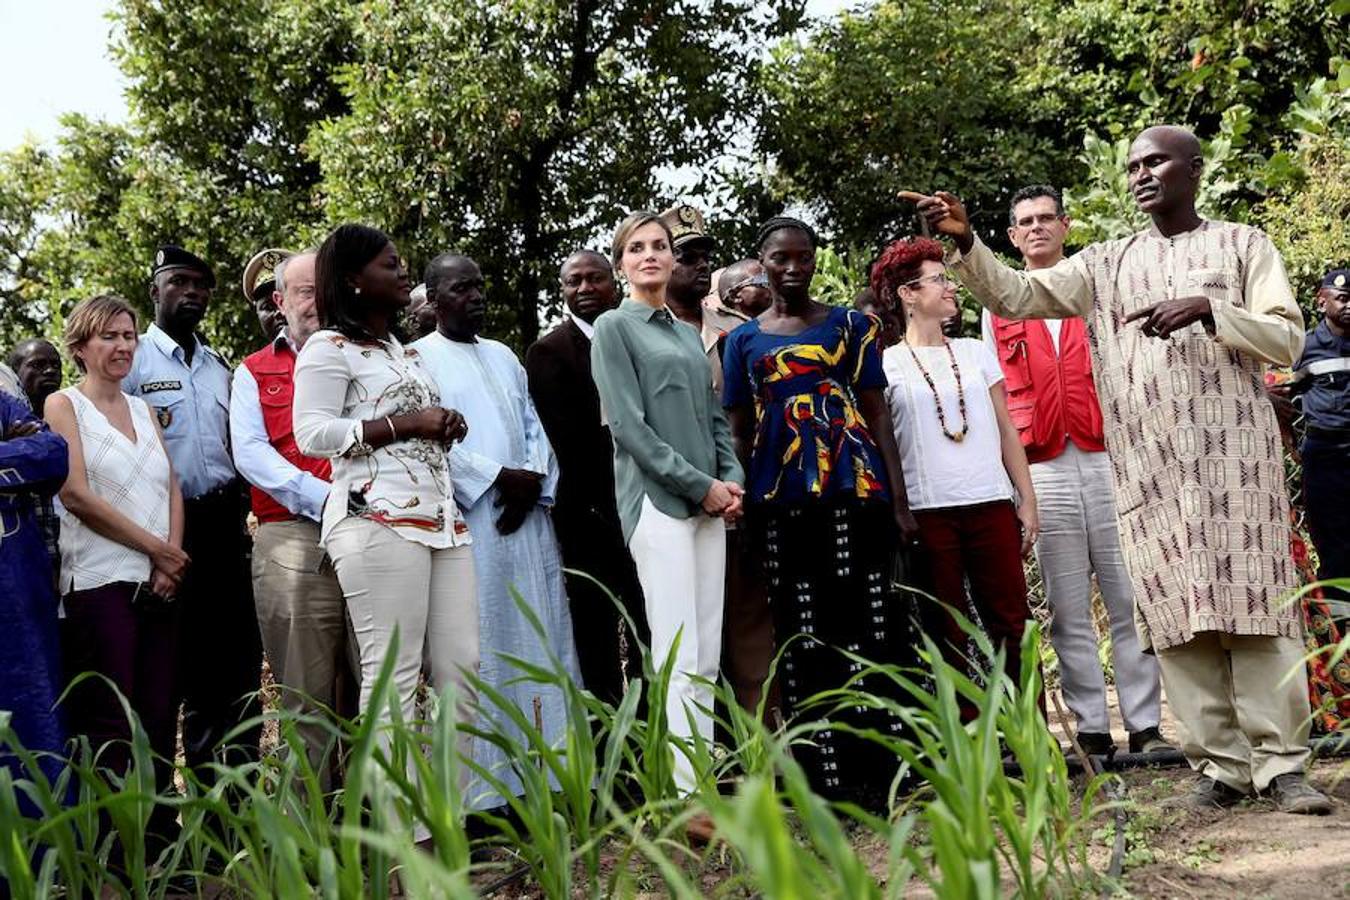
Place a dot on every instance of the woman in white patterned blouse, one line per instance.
(391, 526)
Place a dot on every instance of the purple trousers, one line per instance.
(132, 640)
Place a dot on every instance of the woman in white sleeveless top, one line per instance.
(121, 548)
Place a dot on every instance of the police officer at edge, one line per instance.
(1322, 378)
(188, 386)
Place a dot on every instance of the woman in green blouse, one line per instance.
(677, 480)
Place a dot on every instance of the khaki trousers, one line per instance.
(305, 632)
(1241, 704)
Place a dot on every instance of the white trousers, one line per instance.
(681, 565)
(1076, 501)
(1241, 704)
(430, 597)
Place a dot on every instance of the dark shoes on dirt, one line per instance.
(1096, 743)
(1149, 740)
(1293, 794)
(1207, 794)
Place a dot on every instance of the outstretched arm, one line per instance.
(1059, 292)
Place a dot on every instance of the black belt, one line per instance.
(1339, 435)
(229, 489)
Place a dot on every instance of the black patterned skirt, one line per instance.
(828, 570)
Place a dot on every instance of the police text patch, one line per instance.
(151, 387)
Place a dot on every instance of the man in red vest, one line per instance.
(1047, 368)
(301, 612)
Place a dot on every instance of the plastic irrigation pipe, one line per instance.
(1331, 745)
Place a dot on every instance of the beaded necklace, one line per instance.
(937, 399)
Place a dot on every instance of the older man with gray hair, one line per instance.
(301, 612)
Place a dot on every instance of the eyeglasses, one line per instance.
(939, 279)
(760, 280)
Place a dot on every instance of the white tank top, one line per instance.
(133, 478)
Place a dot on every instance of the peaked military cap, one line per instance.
(1337, 280)
(260, 273)
(686, 226)
(170, 256)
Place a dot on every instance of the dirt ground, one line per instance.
(1250, 851)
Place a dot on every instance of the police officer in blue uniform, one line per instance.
(1322, 378)
(187, 384)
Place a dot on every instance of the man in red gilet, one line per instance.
(301, 613)
(1047, 368)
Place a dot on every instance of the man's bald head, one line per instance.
(1182, 140)
(455, 289)
(1163, 170)
(741, 289)
(589, 256)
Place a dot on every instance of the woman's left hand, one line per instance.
(1031, 525)
(907, 524)
(162, 585)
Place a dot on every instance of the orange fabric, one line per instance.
(274, 371)
(1051, 397)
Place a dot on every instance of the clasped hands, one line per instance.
(725, 499)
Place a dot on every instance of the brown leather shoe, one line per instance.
(700, 829)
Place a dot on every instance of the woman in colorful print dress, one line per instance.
(825, 495)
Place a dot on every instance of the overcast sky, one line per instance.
(54, 59)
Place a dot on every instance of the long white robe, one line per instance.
(487, 384)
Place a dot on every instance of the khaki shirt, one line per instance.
(718, 322)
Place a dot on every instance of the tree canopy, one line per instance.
(517, 131)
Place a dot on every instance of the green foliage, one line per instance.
(982, 98)
(515, 132)
(915, 95)
(265, 829)
(839, 276)
(1309, 217)
(519, 131)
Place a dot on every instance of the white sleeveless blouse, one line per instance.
(133, 478)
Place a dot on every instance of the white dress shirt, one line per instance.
(301, 492)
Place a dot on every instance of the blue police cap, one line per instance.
(170, 256)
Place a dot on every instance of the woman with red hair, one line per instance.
(961, 455)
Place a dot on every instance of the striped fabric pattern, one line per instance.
(133, 478)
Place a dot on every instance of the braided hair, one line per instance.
(778, 223)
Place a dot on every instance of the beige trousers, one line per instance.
(1241, 704)
(305, 632)
(428, 597)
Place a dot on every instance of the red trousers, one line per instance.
(980, 545)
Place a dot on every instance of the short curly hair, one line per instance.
(900, 263)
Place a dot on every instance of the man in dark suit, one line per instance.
(585, 516)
